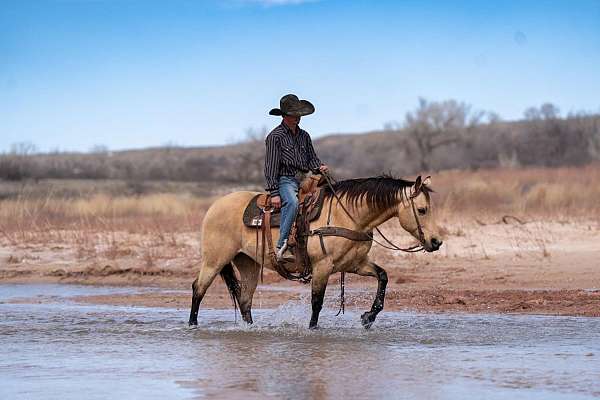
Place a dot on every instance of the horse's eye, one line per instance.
(422, 211)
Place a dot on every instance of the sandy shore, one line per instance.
(539, 268)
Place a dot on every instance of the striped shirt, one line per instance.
(287, 154)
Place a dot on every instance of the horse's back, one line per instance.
(224, 217)
(229, 208)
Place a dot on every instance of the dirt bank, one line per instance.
(539, 267)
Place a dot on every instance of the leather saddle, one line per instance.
(261, 216)
(253, 214)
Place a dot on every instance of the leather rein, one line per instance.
(305, 275)
(361, 236)
(365, 236)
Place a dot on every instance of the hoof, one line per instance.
(193, 322)
(313, 327)
(247, 317)
(367, 320)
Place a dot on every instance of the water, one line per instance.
(63, 350)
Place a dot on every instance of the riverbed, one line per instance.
(55, 347)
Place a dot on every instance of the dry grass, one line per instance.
(486, 194)
(155, 239)
(557, 193)
(102, 212)
(158, 232)
(112, 232)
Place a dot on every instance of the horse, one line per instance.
(360, 204)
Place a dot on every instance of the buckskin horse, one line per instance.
(360, 205)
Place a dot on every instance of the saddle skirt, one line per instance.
(253, 213)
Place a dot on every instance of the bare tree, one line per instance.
(549, 140)
(595, 138)
(546, 111)
(391, 126)
(19, 163)
(433, 125)
(434, 136)
(99, 149)
(23, 149)
(249, 159)
(585, 126)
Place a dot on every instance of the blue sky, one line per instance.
(137, 73)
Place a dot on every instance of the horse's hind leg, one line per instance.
(200, 286)
(372, 269)
(249, 273)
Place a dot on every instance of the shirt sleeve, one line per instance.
(272, 159)
(313, 160)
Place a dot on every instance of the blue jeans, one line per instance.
(288, 191)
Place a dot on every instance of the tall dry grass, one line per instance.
(149, 230)
(169, 211)
(552, 193)
(160, 232)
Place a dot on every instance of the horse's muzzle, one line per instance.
(434, 245)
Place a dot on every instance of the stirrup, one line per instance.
(284, 254)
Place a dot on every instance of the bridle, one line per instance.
(329, 230)
(388, 245)
(306, 275)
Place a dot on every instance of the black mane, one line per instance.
(380, 192)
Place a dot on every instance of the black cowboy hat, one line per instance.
(290, 104)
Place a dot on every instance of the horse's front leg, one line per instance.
(371, 269)
(321, 272)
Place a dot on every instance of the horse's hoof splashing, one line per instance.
(367, 320)
(230, 246)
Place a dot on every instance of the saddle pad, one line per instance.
(252, 213)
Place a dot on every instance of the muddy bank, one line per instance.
(547, 302)
(538, 268)
(359, 297)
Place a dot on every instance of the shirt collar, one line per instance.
(288, 130)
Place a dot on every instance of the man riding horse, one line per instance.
(339, 239)
(289, 156)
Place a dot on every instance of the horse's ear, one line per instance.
(417, 187)
(427, 181)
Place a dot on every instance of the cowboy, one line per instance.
(289, 155)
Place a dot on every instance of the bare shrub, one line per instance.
(19, 163)
(548, 140)
(434, 136)
(433, 125)
(249, 160)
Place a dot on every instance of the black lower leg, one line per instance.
(369, 317)
(317, 305)
(381, 286)
(196, 299)
(246, 312)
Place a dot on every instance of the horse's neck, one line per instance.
(362, 217)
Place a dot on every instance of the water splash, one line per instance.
(65, 349)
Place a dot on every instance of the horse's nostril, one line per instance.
(436, 243)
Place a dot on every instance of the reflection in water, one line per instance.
(64, 350)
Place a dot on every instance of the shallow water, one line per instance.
(63, 350)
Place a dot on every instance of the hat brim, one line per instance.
(305, 108)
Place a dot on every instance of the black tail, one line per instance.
(233, 284)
